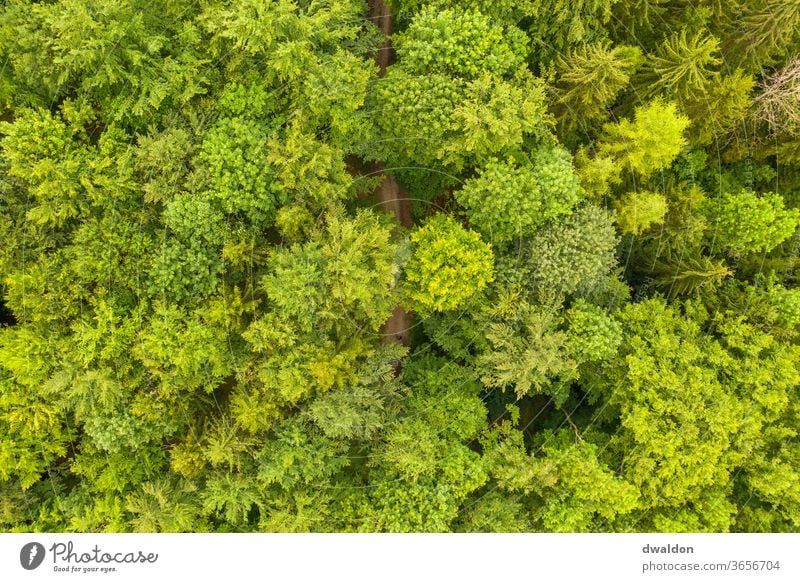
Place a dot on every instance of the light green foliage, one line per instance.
(279, 463)
(425, 470)
(768, 31)
(164, 506)
(726, 104)
(134, 62)
(578, 490)
(688, 68)
(767, 378)
(590, 78)
(449, 265)
(309, 171)
(191, 217)
(184, 351)
(685, 224)
(360, 410)
(682, 277)
(34, 434)
(200, 290)
(565, 484)
(460, 44)
(559, 186)
(425, 120)
(593, 334)
(499, 114)
(746, 222)
(475, 99)
(138, 216)
(414, 114)
(457, 334)
(572, 255)
(507, 201)
(535, 350)
(234, 158)
(266, 28)
(189, 262)
(111, 253)
(787, 302)
(651, 142)
(686, 64)
(317, 54)
(529, 354)
(597, 174)
(668, 401)
(325, 302)
(686, 398)
(182, 270)
(334, 91)
(505, 10)
(495, 512)
(556, 25)
(40, 151)
(638, 211)
(163, 159)
(766, 301)
(346, 270)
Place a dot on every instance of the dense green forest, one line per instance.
(331, 265)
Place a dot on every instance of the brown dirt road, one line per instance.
(390, 195)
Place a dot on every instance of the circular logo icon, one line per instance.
(31, 555)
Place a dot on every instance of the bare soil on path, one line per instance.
(390, 196)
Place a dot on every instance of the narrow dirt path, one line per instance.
(390, 196)
(381, 15)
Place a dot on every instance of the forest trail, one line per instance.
(391, 197)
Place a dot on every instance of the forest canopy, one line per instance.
(347, 266)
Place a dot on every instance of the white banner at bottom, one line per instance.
(408, 557)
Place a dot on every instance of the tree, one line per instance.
(686, 64)
(591, 76)
(746, 222)
(460, 44)
(423, 470)
(458, 94)
(438, 120)
(671, 375)
(778, 104)
(504, 10)
(507, 200)
(557, 25)
(638, 211)
(232, 158)
(688, 68)
(565, 257)
(565, 486)
(529, 354)
(325, 302)
(449, 266)
(134, 62)
(768, 32)
(648, 144)
(540, 349)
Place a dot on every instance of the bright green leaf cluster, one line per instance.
(638, 211)
(449, 265)
(507, 201)
(650, 142)
(746, 222)
(461, 44)
(573, 255)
